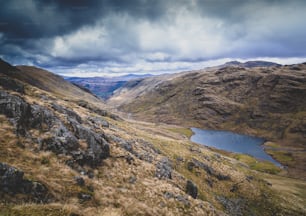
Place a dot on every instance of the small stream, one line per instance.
(232, 142)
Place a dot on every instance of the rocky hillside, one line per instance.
(68, 156)
(262, 101)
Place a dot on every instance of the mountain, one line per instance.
(261, 101)
(104, 87)
(251, 64)
(61, 154)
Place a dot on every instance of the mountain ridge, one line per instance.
(261, 101)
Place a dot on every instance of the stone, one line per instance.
(191, 189)
(70, 113)
(163, 169)
(98, 122)
(12, 182)
(190, 165)
(84, 196)
(194, 163)
(129, 159)
(79, 180)
(10, 178)
(98, 148)
(233, 206)
(132, 180)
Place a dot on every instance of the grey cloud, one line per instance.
(138, 34)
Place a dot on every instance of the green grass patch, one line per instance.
(262, 166)
(271, 144)
(184, 131)
(282, 156)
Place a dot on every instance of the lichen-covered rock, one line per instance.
(163, 169)
(16, 109)
(233, 206)
(98, 147)
(70, 113)
(180, 198)
(98, 122)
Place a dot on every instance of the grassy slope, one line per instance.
(53, 83)
(115, 195)
(266, 102)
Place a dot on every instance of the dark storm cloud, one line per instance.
(20, 19)
(148, 35)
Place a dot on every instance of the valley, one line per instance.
(69, 153)
(103, 87)
(152, 108)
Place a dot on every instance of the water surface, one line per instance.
(232, 142)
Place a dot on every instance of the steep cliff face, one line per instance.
(263, 101)
(68, 156)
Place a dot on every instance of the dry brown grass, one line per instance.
(114, 194)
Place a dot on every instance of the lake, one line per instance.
(232, 142)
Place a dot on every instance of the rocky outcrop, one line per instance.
(60, 139)
(98, 122)
(208, 169)
(97, 149)
(16, 109)
(12, 182)
(233, 206)
(180, 198)
(68, 112)
(140, 148)
(97, 110)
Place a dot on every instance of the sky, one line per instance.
(114, 37)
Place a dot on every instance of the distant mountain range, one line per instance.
(104, 87)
